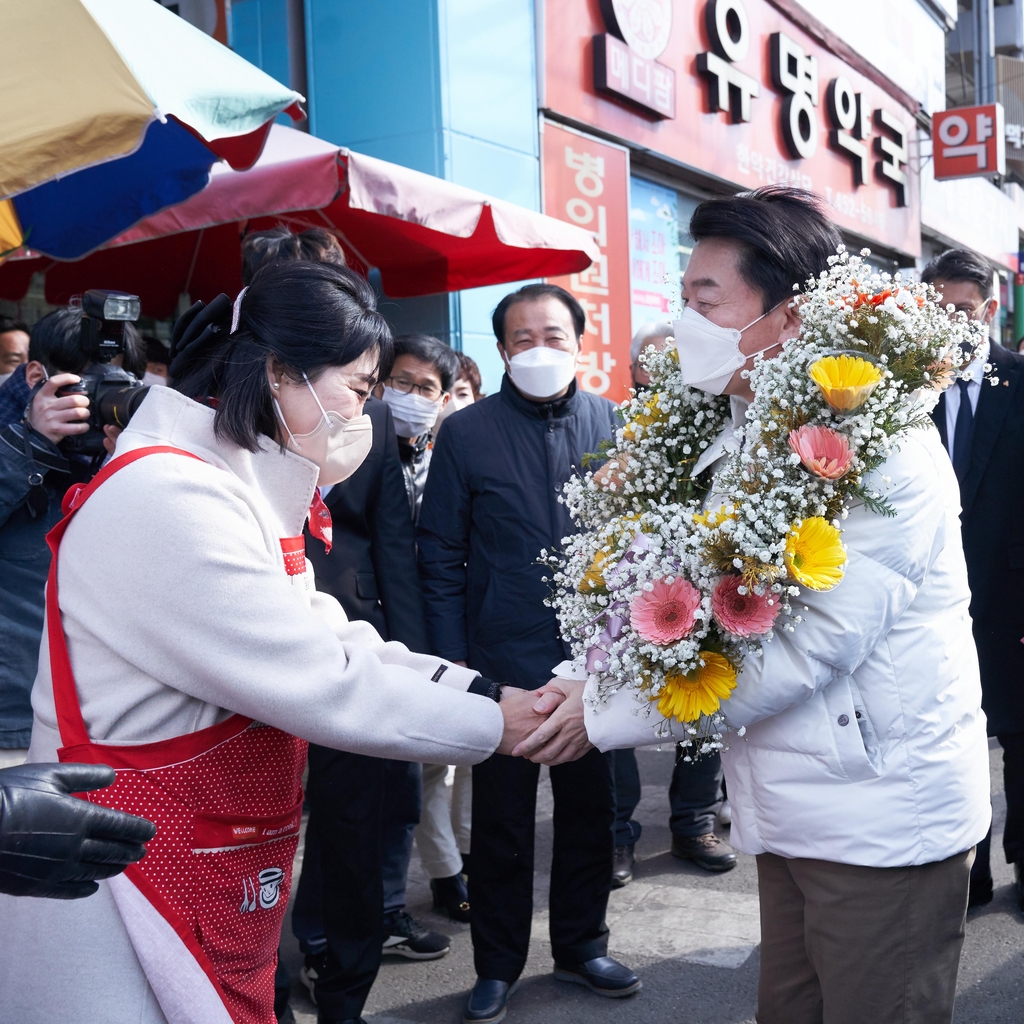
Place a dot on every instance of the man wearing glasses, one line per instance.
(419, 387)
(981, 421)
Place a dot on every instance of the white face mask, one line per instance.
(337, 445)
(414, 415)
(542, 372)
(708, 354)
(154, 380)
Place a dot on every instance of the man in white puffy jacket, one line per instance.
(858, 768)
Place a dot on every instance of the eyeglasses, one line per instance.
(431, 392)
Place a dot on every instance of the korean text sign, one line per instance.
(969, 142)
(586, 182)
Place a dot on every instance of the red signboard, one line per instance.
(969, 142)
(757, 101)
(586, 182)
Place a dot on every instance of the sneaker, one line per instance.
(724, 814)
(313, 967)
(408, 938)
(707, 851)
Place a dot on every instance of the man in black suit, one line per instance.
(363, 810)
(982, 427)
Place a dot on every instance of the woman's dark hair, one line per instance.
(468, 370)
(429, 349)
(783, 233)
(530, 293)
(308, 316)
(260, 247)
(56, 342)
(960, 265)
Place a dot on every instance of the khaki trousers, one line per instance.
(442, 835)
(842, 944)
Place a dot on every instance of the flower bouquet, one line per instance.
(675, 578)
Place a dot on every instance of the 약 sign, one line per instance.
(969, 142)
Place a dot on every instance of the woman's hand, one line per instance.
(563, 736)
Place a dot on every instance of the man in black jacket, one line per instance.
(363, 810)
(982, 427)
(490, 507)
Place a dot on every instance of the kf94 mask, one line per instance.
(708, 354)
(337, 445)
(414, 415)
(541, 372)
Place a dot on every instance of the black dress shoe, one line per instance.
(980, 892)
(707, 851)
(488, 1001)
(603, 975)
(451, 896)
(622, 867)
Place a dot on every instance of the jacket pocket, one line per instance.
(366, 586)
(850, 729)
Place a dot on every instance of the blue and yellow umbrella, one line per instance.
(112, 110)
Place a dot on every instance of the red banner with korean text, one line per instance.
(586, 182)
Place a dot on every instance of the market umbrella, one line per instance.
(114, 109)
(423, 234)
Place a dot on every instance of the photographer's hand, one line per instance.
(55, 417)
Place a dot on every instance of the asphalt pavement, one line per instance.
(692, 936)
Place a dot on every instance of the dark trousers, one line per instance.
(626, 780)
(362, 813)
(695, 795)
(1013, 835)
(501, 880)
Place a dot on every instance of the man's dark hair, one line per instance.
(530, 293)
(259, 247)
(783, 233)
(309, 316)
(8, 323)
(960, 265)
(468, 370)
(156, 350)
(430, 350)
(56, 342)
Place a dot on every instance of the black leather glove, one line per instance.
(53, 844)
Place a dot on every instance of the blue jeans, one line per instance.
(626, 787)
(695, 795)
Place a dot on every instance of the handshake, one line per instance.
(545, 725)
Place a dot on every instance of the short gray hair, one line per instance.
(649, 331)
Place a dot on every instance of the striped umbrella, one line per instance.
(114, 109)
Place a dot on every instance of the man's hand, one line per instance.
(563, 737)
(56, 418)
(110, 436)
(519, 709)
(53, 844)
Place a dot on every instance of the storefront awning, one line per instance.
(423, 234)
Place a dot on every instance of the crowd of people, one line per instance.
(421, 522)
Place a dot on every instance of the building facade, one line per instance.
(621, 115)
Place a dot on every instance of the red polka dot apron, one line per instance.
(227, 803)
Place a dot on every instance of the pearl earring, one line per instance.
(277, 385)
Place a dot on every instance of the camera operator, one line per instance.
(50, 443)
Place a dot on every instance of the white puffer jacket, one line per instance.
(865, 740)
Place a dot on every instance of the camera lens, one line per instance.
(118, 405)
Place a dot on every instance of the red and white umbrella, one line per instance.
(423, 234)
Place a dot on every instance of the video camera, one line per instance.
(114, 394)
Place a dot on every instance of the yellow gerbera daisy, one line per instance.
(845, 381)
(651, 414)
(593, 578)
(714, 517)
(688, 695)
(815, 555)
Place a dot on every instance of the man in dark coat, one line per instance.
(363, 810)
(982, 426)
(490, 507)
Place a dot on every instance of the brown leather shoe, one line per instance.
(706, 851)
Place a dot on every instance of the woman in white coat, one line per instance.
(192, 653)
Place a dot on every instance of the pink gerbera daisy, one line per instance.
(747, 614)
(665, 613)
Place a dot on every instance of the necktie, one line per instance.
(963, 431)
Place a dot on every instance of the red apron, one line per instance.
(227, 803)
